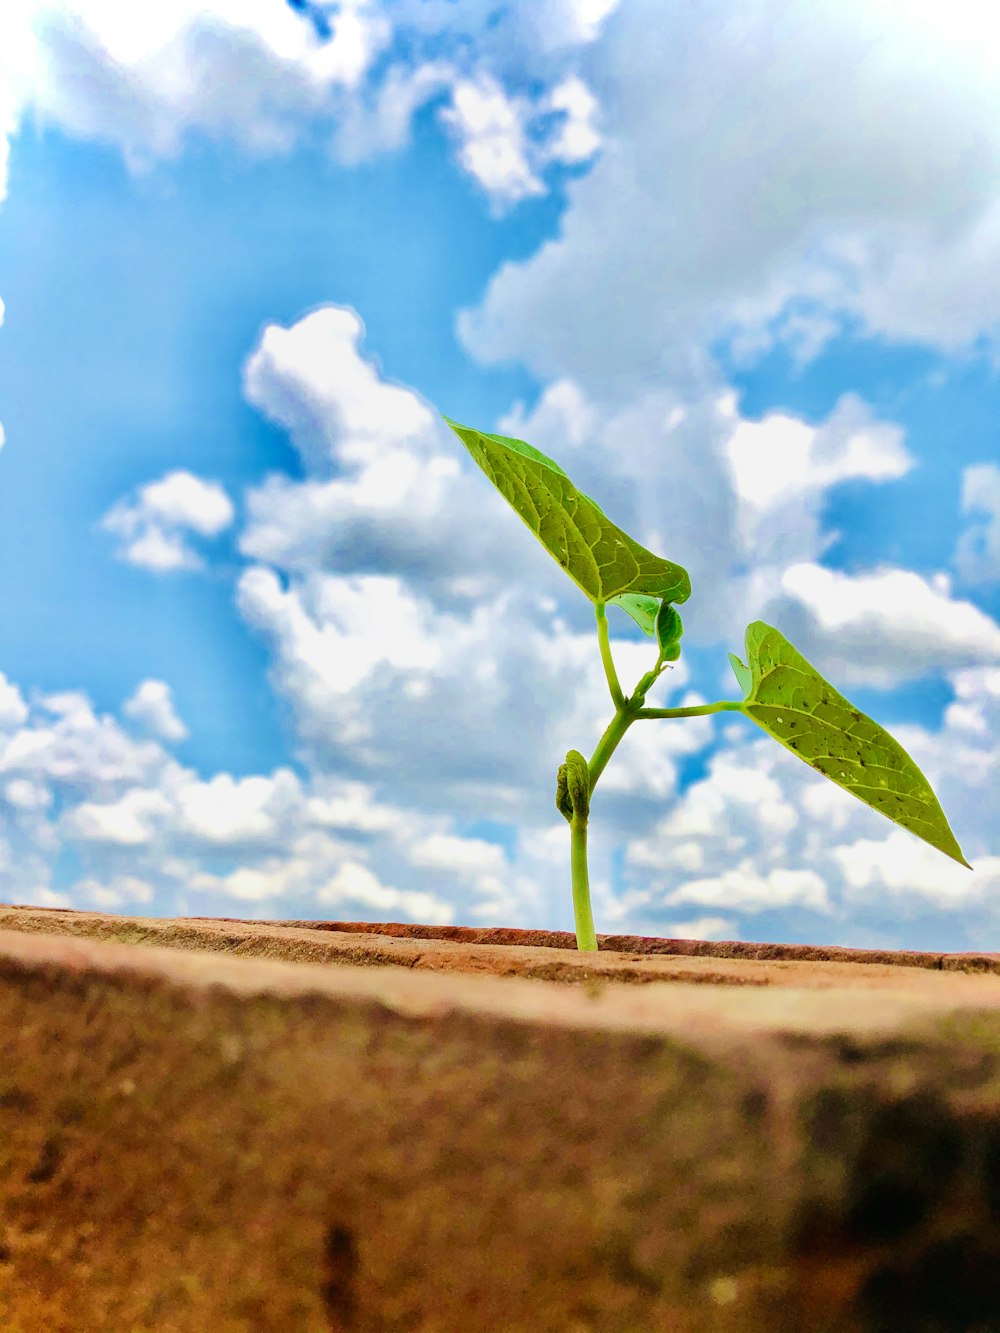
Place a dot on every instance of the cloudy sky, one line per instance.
(271, 646)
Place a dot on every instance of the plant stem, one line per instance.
(626, 712)
(608, 743)
(586, 938)
(618, 698)
(696, 710)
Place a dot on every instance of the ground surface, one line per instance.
(231, 1134)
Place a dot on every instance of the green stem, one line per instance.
(626, 713)
(617, 695)
(697, 710)
(608, 743)
(586, 937)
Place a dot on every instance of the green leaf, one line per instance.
(743, 674)
(669, 628)
(641, 608)
(599, 557)
(792, 702)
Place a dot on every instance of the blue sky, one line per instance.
(271, 647)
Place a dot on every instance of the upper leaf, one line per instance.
(601, 559)
(792, 702)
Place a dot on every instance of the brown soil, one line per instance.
(229, 1134)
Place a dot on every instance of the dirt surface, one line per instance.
(230, 1135)
(536, 955)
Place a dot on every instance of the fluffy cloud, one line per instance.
(155, 524)
(769, 171)
(384, 488)
(311, 380)
(702, 928)
(977, 557)
(152, 704)
(244, 69)
(504, 141)
(265, 76)
(883, 626)
(149, 833)
(782, 467)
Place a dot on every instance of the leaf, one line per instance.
(641, 608)
(792, 702)
(742, 673)
(669, 629)
(599, 557)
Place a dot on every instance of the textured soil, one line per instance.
(226, 1127)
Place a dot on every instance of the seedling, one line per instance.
(782, 693)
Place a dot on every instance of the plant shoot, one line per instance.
(782, 693)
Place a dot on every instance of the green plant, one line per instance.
(782, 693)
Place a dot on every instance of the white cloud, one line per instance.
(66, 742)
(564, 22)
(702, 928)
(977, 557)
(379, 120)
(311, 380)
(127, 822)
(23, 794)
(13, 709)
(442, 851)
(401, 499)
(152, 704)
(230, 811)
(116, 892)
(155, 525)
(576, 138)
(781, 458)
(148, 831)
(354, 886)
(743, 889)
(902, 866)
(505, 141)
(883, 626)
(256, 73)
(769, 170)
(493, 143)
(17, 61)
(243, 69)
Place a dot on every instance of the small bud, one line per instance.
(669, 628)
